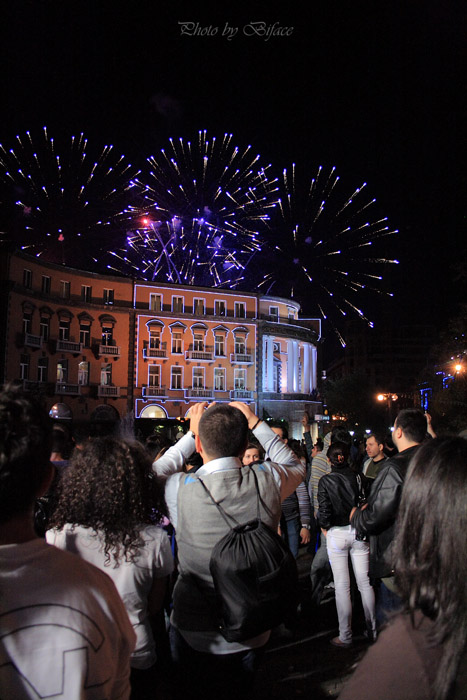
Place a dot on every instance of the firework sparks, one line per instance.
(204, 207)
(60, 202)
(322, 241)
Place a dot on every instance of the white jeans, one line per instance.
(340, 541)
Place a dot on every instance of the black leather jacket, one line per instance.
(337, 495)
(378, 519)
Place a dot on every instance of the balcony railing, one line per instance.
(32, 341)
(68, 389)
(199, 355)
(241, 358)
(154, 352)
(69, 346)
(104, 390)
(113, 350)
(199, 393)
(154, 392)
(30, 385)
(240, 394)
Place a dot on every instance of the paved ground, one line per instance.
(302, 662)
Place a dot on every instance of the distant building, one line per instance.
(100, 347)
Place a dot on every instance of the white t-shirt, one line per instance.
(133, 580)
(64, 630)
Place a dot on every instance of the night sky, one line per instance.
(374, 88)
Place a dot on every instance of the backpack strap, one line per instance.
(221, 510)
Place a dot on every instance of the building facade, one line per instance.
(101, 347)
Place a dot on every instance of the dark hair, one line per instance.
(25, 442)
(223, 431)
(60, 442)
(319, 444)
(109, 486)
(377, 436)
(341, 435)
(412, 423)
(256, 446)
(297, 448)
(429, 549)
(338, 454)
(281, 426)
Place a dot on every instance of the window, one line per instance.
(219, 345)
(239, 379)
(27, 320)
(44, 327)
(176, 378)
(42, 369)
(198, 377)
(240, 310)
(154, 376)
(45, 284)
(177, 342)
(291, 313)
(86, 292)
(177, 305)
(107, 335)
(219, 379)
(106, 375)
(198, 342)
(83, 373)
(27, 278)
(64, 329)
(64, 289)
(24, 367)
(274, 313)
(108, 296)
(62, 371)
(155, 338)
(155, 302)
(198, 307)
(85, 334)
(240, 345)
(219, 308)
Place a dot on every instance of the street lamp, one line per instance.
(389, 398)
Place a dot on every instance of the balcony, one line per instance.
(32, 341)
(241, 394)
(200, 355)
(154, 392)
(105, 390)
(67, 389)
(155, 352)
(112, 350)
(241, 358)
(69, 346)
(29, 385)
(197, 393)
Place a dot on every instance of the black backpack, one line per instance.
(255, 577)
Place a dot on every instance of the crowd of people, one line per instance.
(106, 583)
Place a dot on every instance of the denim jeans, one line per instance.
(341, 541)
(291, 533)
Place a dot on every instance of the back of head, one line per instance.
(341, 435)
(338, 454)
(412, 422)
(25, 443)
(223, 431)
(281, 426)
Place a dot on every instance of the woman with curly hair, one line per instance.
(422, 654)
(107, 512)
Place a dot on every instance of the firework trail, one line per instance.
(58, 202)
(201, 215)
(322, 248)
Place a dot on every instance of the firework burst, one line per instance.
(60, 203)
(324, 244)
(202, 212)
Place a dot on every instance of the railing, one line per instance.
(30, 385)
(241, 394)
(69, 346)
(199, 355)
(154, 391)
(104, 390)
(199, 393)
(68, 389)
(241, 358)
(32, 341)
(154, 352)
(113, 350)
